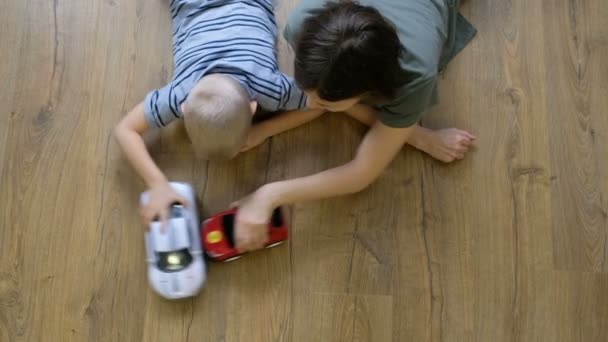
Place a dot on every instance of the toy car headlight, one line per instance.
(173, 261)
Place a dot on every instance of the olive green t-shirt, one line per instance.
(431, 31)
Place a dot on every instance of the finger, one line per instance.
(240, 247)
(461, 149)
(146, 216)
(240, 242)
(265, 238)
(469, 135)
(235, 204)
(245, 246)
(146, 221)
(142, 214)
(466, 142)
(257, 244)
(162, 217)
(263, 242)
(183, 201)
(254, 243)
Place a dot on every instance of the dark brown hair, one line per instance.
(345, 49)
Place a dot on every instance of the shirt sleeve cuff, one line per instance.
(148, 113)
(399, 121)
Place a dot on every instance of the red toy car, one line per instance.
(217, 234)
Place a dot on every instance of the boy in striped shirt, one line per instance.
(225, 67)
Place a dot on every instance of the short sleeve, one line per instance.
(412, 101)
(161, 107)
(296, 99)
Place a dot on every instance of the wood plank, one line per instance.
(90, 242)
(55, 162)
(26, 160)
(565, 306)
(12, 16)
(333, 319)
(373, 318)
(484, 249)
(579, 189)
(598, 103)
(342, 317)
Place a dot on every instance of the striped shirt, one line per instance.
(233, 37)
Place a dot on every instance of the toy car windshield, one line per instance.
(176, 235)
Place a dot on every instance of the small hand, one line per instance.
(161, 197)
(256, 137)
(251, 230)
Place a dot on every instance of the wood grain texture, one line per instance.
(507, 245)
(575, 77)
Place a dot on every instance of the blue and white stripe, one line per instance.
(233, 37)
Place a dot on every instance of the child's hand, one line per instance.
(162, 196)
(252, 217)
(257, 136)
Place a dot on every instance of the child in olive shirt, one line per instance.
(378, 61)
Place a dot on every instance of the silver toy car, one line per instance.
(176, 265)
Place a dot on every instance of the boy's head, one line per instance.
(217, 116)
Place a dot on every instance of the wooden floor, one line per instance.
(507, 245)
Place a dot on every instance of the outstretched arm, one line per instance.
(129, 133)
(365, 114)
(279, 124)
(377, 150)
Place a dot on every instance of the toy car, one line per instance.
(218, 234)
(176, 265)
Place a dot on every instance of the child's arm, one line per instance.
(279, 124)
(377, 150)
(365, 114)
(128, 133)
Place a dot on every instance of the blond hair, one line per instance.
(217, 116)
